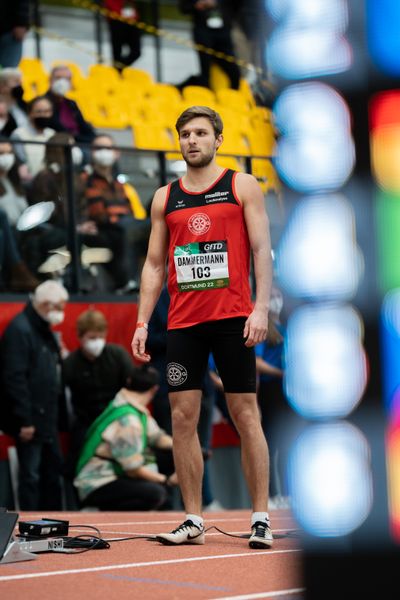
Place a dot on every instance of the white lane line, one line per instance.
(206, 520)
(263, 594)
(146, 533)
(143, 564)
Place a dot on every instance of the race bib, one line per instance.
(202, 266)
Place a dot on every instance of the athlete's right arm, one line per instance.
(153, 273)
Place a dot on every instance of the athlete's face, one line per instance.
(198, 142)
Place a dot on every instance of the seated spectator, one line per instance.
(37, 129)
(50, 184)
(14, 274)
(93, 373)
(66, 114)
(109, 217)
(12, 198)
(115, 471)
(7, 121)
(12, 92)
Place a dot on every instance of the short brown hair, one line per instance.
(200, 111)
(91, 320)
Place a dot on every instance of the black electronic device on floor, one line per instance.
(43, 528)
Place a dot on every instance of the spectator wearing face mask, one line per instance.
(12, 92)
(93, 373)
(66, 114)
(111, 218)
(12, 199)
(37, 129)
(32, 389)
(50, 184)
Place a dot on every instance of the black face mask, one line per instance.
(17, 92)
(42, 122)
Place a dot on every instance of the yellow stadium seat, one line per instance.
(261, 113)
(160, 111)
(234, 142)
(101, 71)
(266, 175)
(165, 91)
(35, 79)
(233, 120)
(218, 78)
(229, 162)
(34, 87)
(134, 199)
(32, 66)
(139, 77)
(147, 136)
(261, 140)
(198, 95)
(234, 99)
(247, 92)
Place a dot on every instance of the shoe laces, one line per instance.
(186, 525)
(260, 528)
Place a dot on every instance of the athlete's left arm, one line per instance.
(257, 223)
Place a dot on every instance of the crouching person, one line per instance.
(117, 468)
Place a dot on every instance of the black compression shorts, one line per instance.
(188, 351)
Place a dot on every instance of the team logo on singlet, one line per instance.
(176, 374)
(199, 223)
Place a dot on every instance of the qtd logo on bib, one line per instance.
(199, 223)
(176, 374)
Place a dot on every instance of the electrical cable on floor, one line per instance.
(84, 542)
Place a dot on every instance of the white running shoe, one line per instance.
(187, 533)
(261, 536)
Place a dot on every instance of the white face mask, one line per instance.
(55, 317)
(77, 156)
(61, 86)
(2, 123)
(6, 161)
(275, 305)
(94, 347)
(104, 157)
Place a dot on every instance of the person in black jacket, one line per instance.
(33, 392)
(14, 24)
(212, 23)
(66, 113)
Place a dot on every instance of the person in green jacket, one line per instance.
(126, 460)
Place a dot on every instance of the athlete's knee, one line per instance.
(246, 418)
(184, 420)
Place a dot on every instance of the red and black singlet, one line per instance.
(209, 253)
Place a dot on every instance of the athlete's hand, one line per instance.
(139, 345)
(256, 328)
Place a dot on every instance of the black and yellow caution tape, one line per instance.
(158, 31)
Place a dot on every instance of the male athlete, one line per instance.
(207, 223)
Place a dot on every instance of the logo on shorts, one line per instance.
(176, 374)
(199, 223)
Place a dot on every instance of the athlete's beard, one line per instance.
(199, 164)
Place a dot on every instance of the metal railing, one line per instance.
(146, 170)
